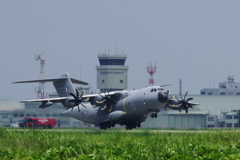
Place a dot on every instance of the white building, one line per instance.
(225, 88)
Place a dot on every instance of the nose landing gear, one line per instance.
(154, 115)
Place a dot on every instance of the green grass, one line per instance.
(115, 144)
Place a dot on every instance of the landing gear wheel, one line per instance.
(138, 124)
(155, 115)
(113, 124)
(128, 127)
(152, 115)
(108, 124)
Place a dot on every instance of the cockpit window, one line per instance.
(160, 89)
(154, 90)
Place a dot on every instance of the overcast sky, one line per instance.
(197, 41)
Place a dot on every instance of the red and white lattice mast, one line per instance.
(41, 93)
(151, 70)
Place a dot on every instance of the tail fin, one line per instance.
(63, 84)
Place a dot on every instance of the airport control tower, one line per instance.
(112, 72)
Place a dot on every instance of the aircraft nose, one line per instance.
(162, 97)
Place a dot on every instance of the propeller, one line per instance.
(107, 100)
(165, 107)
(77, 99)
(184, 103)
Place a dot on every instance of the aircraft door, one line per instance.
(133, 107)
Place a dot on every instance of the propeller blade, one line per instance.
(168, 91)
(101, 101)
(109, 90)
(100, 95)
(104, 107)
(83, 105)
(185, 95)
(72, 95)
(190, 105)
(82, 93)
(77, 92)
(189, 99)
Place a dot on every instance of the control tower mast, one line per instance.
(151, 70)
(41, 93)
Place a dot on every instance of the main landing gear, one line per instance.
(107, 124)
(154, 115)
(132, 125)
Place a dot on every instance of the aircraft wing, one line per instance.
(103, 94)
(46, 102)
(54, 100)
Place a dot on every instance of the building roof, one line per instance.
(8, 105)
(232, 113)
(189, 113)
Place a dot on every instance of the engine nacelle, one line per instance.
(45, 104)
(95, 100)
(116, 115)
(68, 104)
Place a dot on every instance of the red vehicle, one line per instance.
(38, 123)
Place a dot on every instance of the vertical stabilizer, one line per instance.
(64, 86)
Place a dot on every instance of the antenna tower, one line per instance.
(180, 86)
(151, 70)
(41, 93)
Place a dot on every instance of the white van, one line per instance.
(14, 125)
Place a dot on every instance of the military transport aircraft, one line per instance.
(129, 108)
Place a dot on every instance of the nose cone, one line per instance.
(162, 97)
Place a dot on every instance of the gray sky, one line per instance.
(197, 41)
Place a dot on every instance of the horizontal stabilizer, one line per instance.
(54, 80)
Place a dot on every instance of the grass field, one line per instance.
(118, 144)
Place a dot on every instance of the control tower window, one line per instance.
(112, 61)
